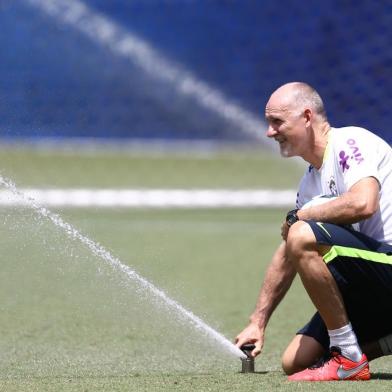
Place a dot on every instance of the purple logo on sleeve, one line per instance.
(343, 160)
(356, 154)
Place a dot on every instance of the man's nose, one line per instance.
(271, 132)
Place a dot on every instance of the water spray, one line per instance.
(144, 284)
(248, 363)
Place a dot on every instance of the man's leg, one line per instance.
(302, 352)
(305, 254)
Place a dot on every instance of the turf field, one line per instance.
(71, 322)
(67, 167)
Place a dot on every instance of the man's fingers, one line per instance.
(284, 231)
(257, 350)
(240, 342)
(251, 335)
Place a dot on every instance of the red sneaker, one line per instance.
(335, 368)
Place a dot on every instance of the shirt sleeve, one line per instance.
(357, 160)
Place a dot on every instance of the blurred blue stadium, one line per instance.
(57, 82)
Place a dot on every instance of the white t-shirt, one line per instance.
(354, 153)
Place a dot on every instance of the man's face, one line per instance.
(287, 127)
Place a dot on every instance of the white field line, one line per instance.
(152, 198)
(123, 43)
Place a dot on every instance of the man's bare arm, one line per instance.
(277, 281)
(360, 202)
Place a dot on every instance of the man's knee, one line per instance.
(302, 352)
(289, 362)
(300, 238)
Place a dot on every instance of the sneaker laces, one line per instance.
(328, 356)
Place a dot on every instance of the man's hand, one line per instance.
(291, 218)
(284, 231)
(251, 334)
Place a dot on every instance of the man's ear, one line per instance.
(308, 116)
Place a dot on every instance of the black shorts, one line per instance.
(362, 269)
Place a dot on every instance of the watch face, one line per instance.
(291, 217)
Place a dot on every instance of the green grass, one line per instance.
(57, 168)
(70, 322)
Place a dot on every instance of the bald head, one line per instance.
(298, 96)
(297, 121)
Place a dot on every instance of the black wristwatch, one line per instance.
(292, 217)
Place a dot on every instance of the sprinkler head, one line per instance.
(248, 363)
